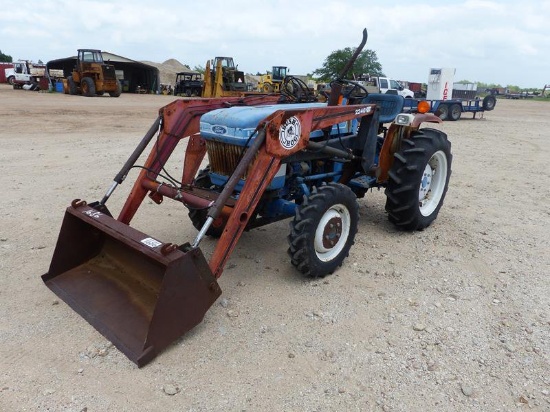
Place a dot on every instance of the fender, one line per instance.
(394, 137)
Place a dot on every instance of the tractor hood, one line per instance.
(235, 125)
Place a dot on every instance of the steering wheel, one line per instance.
(354, 90)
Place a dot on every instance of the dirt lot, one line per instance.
(454, 318)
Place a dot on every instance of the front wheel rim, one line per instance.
(332, 232)
(432, 185)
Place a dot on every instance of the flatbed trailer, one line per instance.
(452, 109)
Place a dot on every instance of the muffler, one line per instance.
(138, 292)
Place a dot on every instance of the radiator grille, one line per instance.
(224, 157)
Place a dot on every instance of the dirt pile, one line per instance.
(168, 70)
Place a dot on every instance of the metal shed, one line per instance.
(133, 75)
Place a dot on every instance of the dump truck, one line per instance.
(92, 76)
(270, 157)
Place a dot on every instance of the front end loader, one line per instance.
(268, 160)
(91, 76)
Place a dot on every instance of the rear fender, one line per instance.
(420, 118)
(394, 137)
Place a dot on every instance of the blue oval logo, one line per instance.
(219, 129)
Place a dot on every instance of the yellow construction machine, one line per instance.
(223, 79)
(271, 82)
(92, 76)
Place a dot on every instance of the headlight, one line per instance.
(404, 119)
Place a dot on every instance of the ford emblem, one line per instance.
(219, 129)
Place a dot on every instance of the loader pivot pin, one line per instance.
(168, 248)
(77, 203)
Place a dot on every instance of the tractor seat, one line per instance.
(390, 105)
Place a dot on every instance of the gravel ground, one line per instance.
(453, 318)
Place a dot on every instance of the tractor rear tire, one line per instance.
(72, 85)
(443, 111)
(323, 230)
(88, 87)
(419, 179)
(455, 112)
(198, 216)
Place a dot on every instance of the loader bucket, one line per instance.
(139, 293)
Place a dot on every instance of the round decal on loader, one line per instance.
(289, 134)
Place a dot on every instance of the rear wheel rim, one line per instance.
(432, 184)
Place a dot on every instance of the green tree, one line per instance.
(5, 58)
(366, 63)
(199, 69)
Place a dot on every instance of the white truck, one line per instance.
(379, 84)
(24, 73)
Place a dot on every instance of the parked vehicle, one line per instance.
(379, 84)
(271, 82)
(452, 109)
(188, 84)
(223, 78)
(441, 99)
(92, 76)
(24, 73)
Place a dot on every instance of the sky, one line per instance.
(496, 42)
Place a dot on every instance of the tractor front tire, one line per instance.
(198, 218)
(88, 87)
(419, 179)
(323, 230)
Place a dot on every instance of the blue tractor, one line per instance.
(268, 157)
(318, 187)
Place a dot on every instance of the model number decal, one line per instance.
(363, 110)
(149, 241)
(289, 133)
